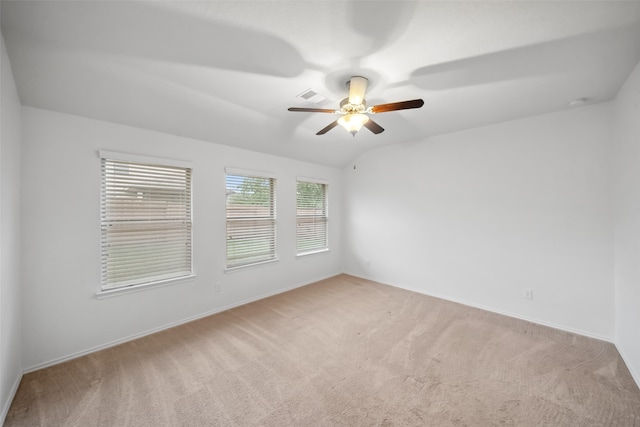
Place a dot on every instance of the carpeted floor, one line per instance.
(340, 352)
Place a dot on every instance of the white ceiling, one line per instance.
(226, 71)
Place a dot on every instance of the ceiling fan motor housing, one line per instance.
(347, 108)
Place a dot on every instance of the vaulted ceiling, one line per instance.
(226, 71)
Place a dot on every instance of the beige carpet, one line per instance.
(343, 351)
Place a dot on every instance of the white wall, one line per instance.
(61, 182)
(475, 216)
(10, 289)
(478, 216)
(627, 221)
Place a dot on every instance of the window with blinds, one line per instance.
(311, 217)
(251, 219)
(145, 223)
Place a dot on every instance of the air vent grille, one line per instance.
(307, 94)
(312, 96)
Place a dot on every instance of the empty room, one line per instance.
(320, 213)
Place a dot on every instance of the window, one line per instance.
(251, 219)
(145, 221)
(311, 217)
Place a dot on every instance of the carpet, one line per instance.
(340, 352)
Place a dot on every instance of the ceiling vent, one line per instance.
(312, 96)
(578, 102)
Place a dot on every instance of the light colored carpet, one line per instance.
(343, 351)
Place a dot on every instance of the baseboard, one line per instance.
(12, 394)
(298, 285)
(494, 310)
(171, 325)
(627, 361)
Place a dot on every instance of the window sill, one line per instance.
(319, 251)
(143, 287)
(249, 266)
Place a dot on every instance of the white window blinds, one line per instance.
(146, 223)
(311, 217)
(251, 219)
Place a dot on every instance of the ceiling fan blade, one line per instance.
(327, 128)
(394, 106)
(311, 110)
(357, 88)
(373, 127)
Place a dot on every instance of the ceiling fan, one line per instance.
(354, 109)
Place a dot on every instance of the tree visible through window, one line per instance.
(311, 217)
(251, 220)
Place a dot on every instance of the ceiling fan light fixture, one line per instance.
(357, 87)
(353, 122)
(354, 109)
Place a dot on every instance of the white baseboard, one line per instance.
(56, 361)
(494, 310)
(170, 325)
(630, 366)
(6, 405)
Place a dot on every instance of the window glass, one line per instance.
(251, 220)
(311, 217)
(145, 223)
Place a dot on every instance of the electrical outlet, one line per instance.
(528, 294)
(216, 287)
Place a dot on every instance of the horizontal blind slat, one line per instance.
(251, 224)
(311, 217)
(145, 223)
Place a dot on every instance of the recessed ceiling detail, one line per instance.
(205, 69)
(578, 102)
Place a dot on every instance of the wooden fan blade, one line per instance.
(373, 127)
(394, 106)
(327, 128)
(311, 110)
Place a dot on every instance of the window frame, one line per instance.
(326, 247)
(273, 217)
(151, 280)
